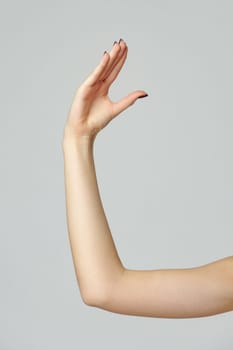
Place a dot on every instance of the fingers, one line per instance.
(109, 66)
(115, 54)
(98, 71)
(117, 67)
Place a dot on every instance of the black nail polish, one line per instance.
(143, 96)
(104, 53)
(120, 40)
(115, 42)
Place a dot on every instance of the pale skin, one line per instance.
(103, 280)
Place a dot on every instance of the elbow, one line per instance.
(101, 294)
(94, 297)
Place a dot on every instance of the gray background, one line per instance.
(164, 166)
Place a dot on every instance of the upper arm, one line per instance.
(174, 293)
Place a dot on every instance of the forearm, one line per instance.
(96, 261)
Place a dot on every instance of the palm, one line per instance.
(93, 106)
(92, 109)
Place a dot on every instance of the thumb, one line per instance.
(127, 101)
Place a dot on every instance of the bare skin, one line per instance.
(102, 279)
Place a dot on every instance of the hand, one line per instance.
(92, 109)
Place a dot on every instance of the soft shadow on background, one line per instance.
(164, 166)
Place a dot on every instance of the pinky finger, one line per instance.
(94, 76)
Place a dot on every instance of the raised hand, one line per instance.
(92, 108)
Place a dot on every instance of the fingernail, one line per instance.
(115, 42)
(143, 96)
(104, 53)
(120, 40)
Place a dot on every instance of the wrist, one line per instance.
(81, 147)
(71, 138)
